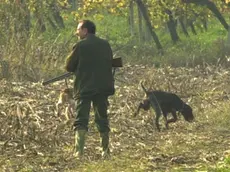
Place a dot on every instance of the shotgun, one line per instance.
(117, 62)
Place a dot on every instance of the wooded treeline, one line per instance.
(22, 17)
(26, 26)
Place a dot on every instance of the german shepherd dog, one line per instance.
(166, 103)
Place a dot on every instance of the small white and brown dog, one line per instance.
(66, 99)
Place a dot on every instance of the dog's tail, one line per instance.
(143, 87)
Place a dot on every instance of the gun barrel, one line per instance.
(117, 62)
(58, 78)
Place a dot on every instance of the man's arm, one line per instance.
(71, 62)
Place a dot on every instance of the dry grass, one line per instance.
(33, 138)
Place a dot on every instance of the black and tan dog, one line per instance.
(167, 103)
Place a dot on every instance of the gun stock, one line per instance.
(117, 62)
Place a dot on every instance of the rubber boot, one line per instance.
(79, 143)
(105, 145)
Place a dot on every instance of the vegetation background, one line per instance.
(36, 36)
(181, 46)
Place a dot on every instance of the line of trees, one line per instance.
(21, 17)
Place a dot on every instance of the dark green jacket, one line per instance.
(91, 62)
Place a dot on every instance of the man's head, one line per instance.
(84, 28)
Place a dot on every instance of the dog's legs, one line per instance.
(174, 119)
(155, 105)
(157, 122)
(166, 122)
(138, 109)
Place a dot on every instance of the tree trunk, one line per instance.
(183, 26)
(18, 18)
(73, 4)
(211, 6)
(147, 33)
(172, 27)
(204, 23)
(25, 16)
(131, 18)
(40, 18)
(191, 25)
(41, 24)
(27, 21)
(140, 26)
(56, 15)
(51, 23)
(144, 12)
(228, 39)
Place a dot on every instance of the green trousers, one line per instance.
(100, 106)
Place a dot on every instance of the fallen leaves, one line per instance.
(30, 127)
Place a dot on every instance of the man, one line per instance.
(91, 63)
